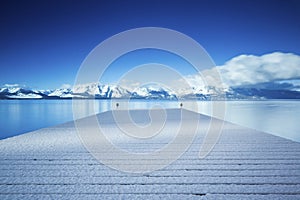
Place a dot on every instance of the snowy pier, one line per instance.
(52, 163)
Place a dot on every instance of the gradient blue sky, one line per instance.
(44, 42)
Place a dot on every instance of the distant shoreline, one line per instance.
(122, 99)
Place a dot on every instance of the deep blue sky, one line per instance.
(44, 42)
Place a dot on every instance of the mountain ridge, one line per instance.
(108, 91)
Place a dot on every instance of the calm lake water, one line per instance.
(20, 116)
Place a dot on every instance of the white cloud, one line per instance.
(250, 69)
(239, 71)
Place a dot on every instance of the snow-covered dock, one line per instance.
(52, 163)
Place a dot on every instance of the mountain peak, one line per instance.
(107, 91)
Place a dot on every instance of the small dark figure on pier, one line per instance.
(181, 104)
(117, 105)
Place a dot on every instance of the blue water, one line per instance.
(277, 117)
(21, 116)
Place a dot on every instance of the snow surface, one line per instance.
(52, 163)
(194, 91)
(26, 96)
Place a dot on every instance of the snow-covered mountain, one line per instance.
(153, 92)
(17, 92)
(100, 91)
(104, 91)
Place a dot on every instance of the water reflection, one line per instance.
(20, 116)
(276, 117)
